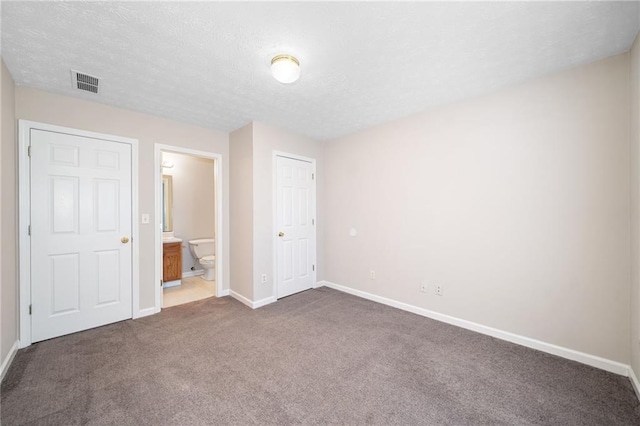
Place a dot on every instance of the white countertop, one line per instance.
(171, 240)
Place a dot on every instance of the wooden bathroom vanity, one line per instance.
(171, 262)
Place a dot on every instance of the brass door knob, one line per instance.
(280, 234)
(124, 240)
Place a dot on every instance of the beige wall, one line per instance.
(40, 106)
(252, 149)
(8, 217)
(266, 140)
(516, 202)
(634, 137)
(241, 208)
(193, 201)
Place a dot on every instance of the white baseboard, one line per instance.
(169, 284)
(146, 312)
(318, 284)
(193, 273)
(241, 298)
(634, 382)
(592, 360)
(6, 362)
(263, 302)
(223, 293)
(250, 303)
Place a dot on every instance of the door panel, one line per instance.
(65, 283)
(303, 257)
(295, 248)
(80, 210)
(107, 205)
(107, 272)
(63, 202)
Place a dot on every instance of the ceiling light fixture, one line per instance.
(285, 68)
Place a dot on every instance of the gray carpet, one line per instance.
(319, 357)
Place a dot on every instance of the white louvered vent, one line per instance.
(85, 82)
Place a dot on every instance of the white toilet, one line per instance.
(204, 250)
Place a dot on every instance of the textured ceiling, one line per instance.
(362, 63)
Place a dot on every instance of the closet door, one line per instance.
(81, 223)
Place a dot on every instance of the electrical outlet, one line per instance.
(439, 289)
(372, 274)
(145, 218)
(423, 287)
(264, 278)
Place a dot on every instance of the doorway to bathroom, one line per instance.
(188, 223)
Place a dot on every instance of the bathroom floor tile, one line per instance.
(192, 289)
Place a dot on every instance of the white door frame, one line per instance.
(157, 222)
(314, 214)
(24, 217)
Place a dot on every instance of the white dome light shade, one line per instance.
(285, 68)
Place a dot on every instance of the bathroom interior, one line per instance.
(188, 228)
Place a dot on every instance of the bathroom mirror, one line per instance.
(167, 203)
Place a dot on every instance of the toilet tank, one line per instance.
(202, 247)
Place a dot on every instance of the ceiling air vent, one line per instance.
(85, 82)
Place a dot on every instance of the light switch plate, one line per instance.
(145, 218)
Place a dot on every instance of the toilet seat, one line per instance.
(208, 260)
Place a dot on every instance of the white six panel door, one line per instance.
(296, 246)
(80, 213)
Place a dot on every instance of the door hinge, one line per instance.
(160, 283)
(313, 267)
(313, 176)
(29, 230)
(313, 221)
(29, 150)
(30, 309)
